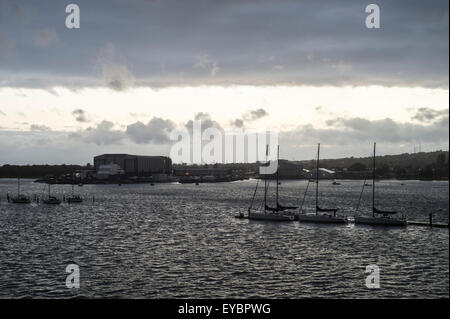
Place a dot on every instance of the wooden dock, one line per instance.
(426, 224)
(410, 222)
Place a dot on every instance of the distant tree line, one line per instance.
(431, 165)
(37, 171)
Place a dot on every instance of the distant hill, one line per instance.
(423, 165)
(418, 165)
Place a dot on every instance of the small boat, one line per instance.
(379, 217)
(322, 215)
(336, 183)
(52, 200)
(20, 198)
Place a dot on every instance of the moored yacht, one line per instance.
(51, 199)
(74, 198)
(278, 213)
(380, 217)
(20, 198)
(322, 215)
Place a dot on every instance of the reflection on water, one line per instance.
(173, 240)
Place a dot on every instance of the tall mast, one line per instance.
(278, 157)
(317, 177)
(265, 181)
(373, 181)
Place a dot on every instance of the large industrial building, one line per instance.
(287, 170)
(136, 165)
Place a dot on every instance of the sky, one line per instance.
(135, 70)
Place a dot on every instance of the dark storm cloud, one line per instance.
(255, 115)
(80, 115)
(249, 116)
(198, 42)
(237, 123)
(156, 131)
(425, 114)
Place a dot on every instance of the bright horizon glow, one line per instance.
(288, 106)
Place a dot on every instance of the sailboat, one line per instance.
(379, 217)
(323, 215)
(277, 213)
(51, 199)
(20, 198)
(279, 207)
(75, 198)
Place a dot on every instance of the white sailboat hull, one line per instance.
(323, 219)
(383, 221)
(271, 217)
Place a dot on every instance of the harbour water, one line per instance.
(182, 241)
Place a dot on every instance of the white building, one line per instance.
(323, 173)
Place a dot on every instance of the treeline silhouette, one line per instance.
(37, 171)
(423, 165)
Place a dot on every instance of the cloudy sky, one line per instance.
(136, 69)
